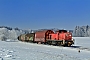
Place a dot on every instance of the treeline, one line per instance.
(81, 31)
(13, 33)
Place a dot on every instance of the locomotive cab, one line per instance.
(61, 37)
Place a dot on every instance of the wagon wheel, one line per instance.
(39, 42)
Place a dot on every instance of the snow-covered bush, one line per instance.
(9, 33)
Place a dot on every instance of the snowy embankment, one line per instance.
(29, 51)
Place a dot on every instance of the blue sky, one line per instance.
(36, 14)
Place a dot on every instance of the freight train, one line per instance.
(60, 37)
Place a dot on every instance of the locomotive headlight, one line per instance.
(73, 40)
(69, 35)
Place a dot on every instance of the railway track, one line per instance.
(80, 48)
(75, 47)
(72, 47)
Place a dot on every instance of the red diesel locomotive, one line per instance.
(61, 37)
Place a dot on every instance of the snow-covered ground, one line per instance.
(83, 41)
(16, 50)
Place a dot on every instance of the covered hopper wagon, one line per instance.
(27, 37)
(21, 37)
(42, 36)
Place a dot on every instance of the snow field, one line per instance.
(10, 50)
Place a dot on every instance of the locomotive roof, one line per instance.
(43, 30)
(61, 31)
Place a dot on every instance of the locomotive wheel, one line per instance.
(67, 45)
(56, 43)
(59, 43)
(49, 42)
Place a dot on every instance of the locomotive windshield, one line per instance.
(60, 31)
